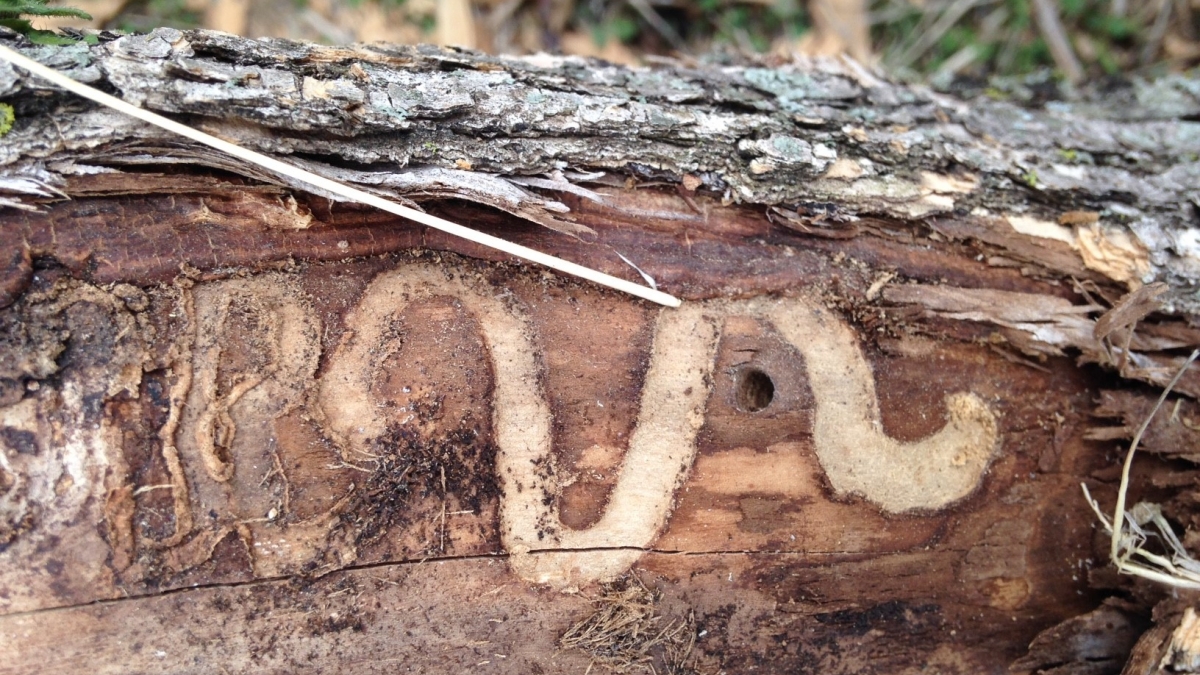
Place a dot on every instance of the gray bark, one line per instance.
(830, 133)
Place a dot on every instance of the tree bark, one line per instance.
(245, 426)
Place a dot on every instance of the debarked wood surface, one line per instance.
(312, 444)
(247, 429)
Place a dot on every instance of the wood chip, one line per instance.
(1129, 310)
(1078, 218)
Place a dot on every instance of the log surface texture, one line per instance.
(245, 427)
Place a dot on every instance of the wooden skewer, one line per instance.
(335, 187)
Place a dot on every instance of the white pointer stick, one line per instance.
(340, 189)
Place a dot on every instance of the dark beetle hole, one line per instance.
(754, 390)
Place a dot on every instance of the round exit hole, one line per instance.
(755, 390)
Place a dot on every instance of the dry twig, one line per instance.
(456, 23)
(928, 35)
(1158, 30)
(1057, 41)
(659, 24)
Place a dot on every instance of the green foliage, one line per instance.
(753, 26)
(1072, 9)
(624, 28)
(747, 24)
(1111, 27)
(144, 15)
(13, 11)
(1032, 55)
(7, 118)
(1002, 37)
(358, 3)
(427, 23)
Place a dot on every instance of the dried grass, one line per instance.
(626, 632)
(1131, 530)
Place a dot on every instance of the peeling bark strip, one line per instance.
(316, 181)
(243, 426)
(828, 135)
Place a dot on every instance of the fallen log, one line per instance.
(248, 426)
